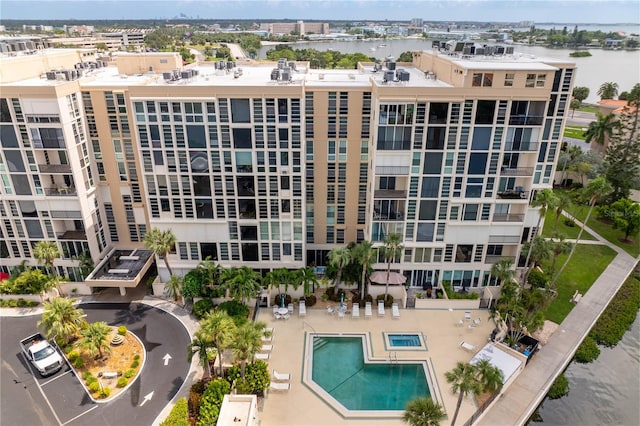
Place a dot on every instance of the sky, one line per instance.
(557, 11)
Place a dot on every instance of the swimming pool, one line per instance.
(339, 368)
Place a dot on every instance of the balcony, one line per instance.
(514, 195)
(389, 193)
(55, 168)
(63, 191)
(516, 171)
(392, 216)
(73, 235)
(495, 258)
(521, 146)
(526, 120)
(509, 217)
(504, 239)
(392, 170)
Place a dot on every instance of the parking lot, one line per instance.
(60, 399)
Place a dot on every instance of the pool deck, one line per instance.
(301, 406)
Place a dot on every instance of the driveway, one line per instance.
(28, 399)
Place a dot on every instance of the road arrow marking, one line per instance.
(166, 359)
(147, 398)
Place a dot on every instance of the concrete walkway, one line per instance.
(520, 400)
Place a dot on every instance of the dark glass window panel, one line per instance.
(242, 138)
(196, 137)
(240, 112)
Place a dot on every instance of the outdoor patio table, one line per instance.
(282, 311)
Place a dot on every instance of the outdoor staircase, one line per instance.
(319, 342)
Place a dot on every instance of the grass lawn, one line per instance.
(570, 232)
(575, 132)
(589, 108)
(586, 265)
(607, 232)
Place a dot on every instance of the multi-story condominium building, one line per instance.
(273, 165)
(300, 27)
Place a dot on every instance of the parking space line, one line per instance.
(79, 415)
(55, 378)
(42, 392)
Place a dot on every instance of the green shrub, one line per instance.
(455, 295)
(587, 351)
(78, 363)
(135, 364)
(537, 279)
(212, 401)
(179, 415)
(238, 310)
(21, 303)
(559, 388)
(568, 222)
(122, 330)
(12, 303)
(388, 301)
(242, 386)
(136, 357)
(73, 355)
(257, 376)
(619, 315)
(105, 392)
(122, 382)
(202, 307)
(94, 386)
(86, 375)
(129, 373)
(193, 283)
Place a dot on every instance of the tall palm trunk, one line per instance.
(362, 280)
(166, 263)
(575, 244)
(526, 262)
(458, 404)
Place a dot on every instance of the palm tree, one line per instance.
(503, 270)
(608, 90)
(596, 189)
(601, 128)
(242, 282)
(61, 320)
(365, 254)
(247, 341)
(545, 199)
(537, 250)
(490, 377)
(423, 412)
(173, 287)
(95, 338)
(212, 271)
(161, 243)
(46, 252)
(463, 382)
(392, 249)
(558, 246)
(563, 202)
(308, 279)
(339, 258)
(219, 327)
(202, 345)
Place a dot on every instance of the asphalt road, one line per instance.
(30, 400)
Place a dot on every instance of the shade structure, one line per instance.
(380, 277)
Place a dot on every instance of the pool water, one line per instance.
(339, 369)
(404, 340)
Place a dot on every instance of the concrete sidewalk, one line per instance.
(516, 405)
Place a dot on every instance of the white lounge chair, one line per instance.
(280, 386)
(340, 314)
(331, 310)
(367, 310)
(476, 322)
(467, 315)
(281, 377)
(263, 357)
(266, 348)
(395, 311)
(290, 308)
(467, 346)
(276, 315)
(355, 311)
(380, 308)
(302, 310)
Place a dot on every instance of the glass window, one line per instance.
(485, 111)
(430, 187)
(477, 163)
(432, 163)
(242, 138)
(240, 112)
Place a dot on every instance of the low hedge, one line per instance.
(179, 415)
(18, 303)
(618, 317)
(202, 307)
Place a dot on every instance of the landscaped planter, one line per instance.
(448, 303)
(32, 297)
(81, 289)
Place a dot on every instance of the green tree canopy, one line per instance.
(626, 216)
(580, 93)
(423, 412)
(61, 319)
(608, 90)
(95, 338)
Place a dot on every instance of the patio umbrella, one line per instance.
(341, 299)
(380, 277)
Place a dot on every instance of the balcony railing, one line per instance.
(504, 239)
(491, 258)
(388, 216)
(392, 170)
(61, 191)
(389, 193)
(521, 146)
(55, 168)
(526, 120)
(510, 217)
(514, 195)
(73, 235)
(516, 171)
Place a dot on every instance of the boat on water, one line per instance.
(382, 45)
